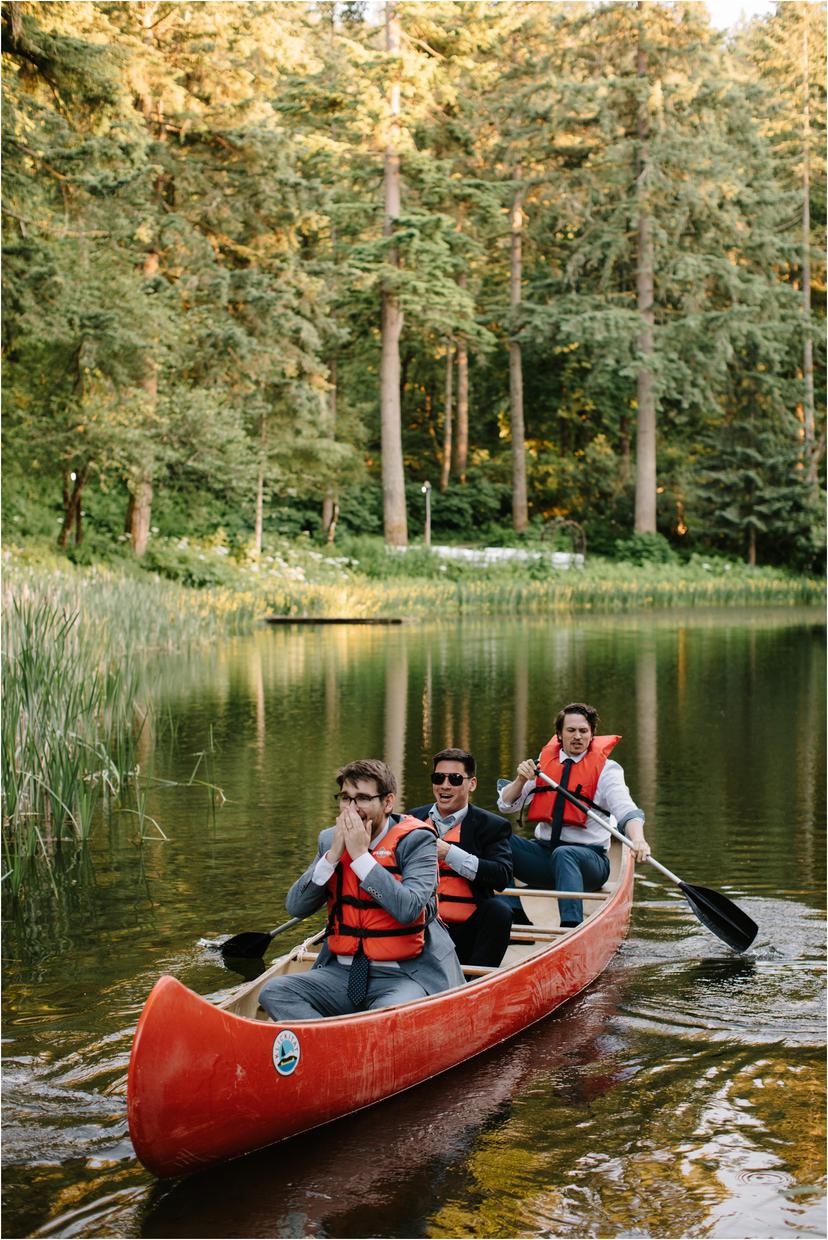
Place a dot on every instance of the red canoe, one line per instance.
(209, 1081)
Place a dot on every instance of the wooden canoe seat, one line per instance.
(556, 895)
(470, 970)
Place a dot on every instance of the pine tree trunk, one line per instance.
(68, 513)
(461, 443)
(448, 417)
(818, 453)
(645, 466)
(258, 520)
(393, 480)
(139, 512)
(520, 515)
(751, 550)
(78, 508)
(72, 511)
(808, 351)
(461, 455)
(330, 505)
(139, 509)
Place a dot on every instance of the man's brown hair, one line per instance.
(369, 768)
(577, 708)
(455, 755)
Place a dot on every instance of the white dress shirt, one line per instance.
(611, 792)
(463, 863)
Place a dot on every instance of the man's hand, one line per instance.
(356, 834)
(442, 849)
(526, 770)
(635, 834)
(337, 847)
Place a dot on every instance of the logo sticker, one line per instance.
(286, 1053)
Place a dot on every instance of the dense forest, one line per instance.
(275, 266)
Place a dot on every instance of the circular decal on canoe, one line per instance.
(286, 1052)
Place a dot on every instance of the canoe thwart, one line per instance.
(333, 619)
(555, 895)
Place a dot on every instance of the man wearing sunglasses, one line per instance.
(475, 857)
(377, 871)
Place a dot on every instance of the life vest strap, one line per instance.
(359, 932)
(357, 902)
(576, 792)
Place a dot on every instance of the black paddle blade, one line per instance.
(726, 920)
(248, 945)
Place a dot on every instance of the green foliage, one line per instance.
(191, 566)
(645, 549)
(192, 269)
(753, 500)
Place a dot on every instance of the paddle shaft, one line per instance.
(253, 943)
(602, 822)
(720, 915)
(288, 925)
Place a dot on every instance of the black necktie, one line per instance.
(560, 802)
(358, 978)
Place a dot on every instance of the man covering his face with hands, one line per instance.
(377, 872)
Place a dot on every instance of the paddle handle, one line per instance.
(607, 826)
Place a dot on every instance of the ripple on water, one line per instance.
(48, 1118)
(697, 986)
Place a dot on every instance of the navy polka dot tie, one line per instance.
(358, 978)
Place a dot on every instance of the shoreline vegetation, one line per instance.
(76, 639)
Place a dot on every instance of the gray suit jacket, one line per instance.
(437, 967)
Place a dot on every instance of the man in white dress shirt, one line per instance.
(569, 850)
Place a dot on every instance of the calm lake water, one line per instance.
(683, 1094)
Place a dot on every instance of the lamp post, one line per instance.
(426, 490)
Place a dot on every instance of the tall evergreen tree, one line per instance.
(788, 51)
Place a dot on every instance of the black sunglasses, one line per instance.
(439, 777)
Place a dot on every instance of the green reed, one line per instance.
(63, 709)
(74, 645)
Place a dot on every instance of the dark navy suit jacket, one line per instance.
(488, 836)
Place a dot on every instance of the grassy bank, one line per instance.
(602, 586)
(144, 605)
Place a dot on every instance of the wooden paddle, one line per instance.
(721, 916)
(251, 944)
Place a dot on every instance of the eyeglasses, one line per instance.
(363, 801)
(439, 777)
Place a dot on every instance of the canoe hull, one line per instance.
(207, 1085)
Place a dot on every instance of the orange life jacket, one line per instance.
(354, 916)
(455, 896)
(583, 779)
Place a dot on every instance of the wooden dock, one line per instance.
(333, 620)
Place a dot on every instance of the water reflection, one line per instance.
(682, 1095)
